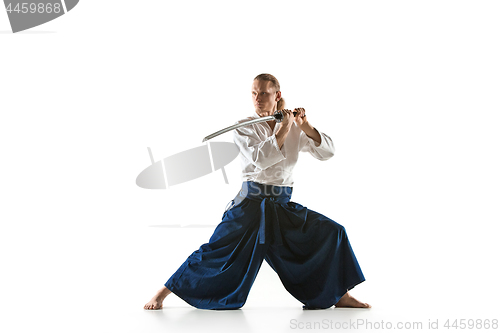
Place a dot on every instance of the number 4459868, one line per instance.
(472, 323)
(35, 8)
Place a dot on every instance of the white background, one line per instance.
(407, 90)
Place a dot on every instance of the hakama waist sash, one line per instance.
(269, 196)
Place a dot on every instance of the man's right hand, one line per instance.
(288, 118)
(286, 123)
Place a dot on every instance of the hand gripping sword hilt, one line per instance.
(278, 115)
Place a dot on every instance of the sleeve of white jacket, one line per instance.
(322, 151)
(261, 153)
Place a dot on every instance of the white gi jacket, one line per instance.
(262, 160)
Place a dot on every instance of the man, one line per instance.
(310, 252)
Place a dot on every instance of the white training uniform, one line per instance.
(262, 160)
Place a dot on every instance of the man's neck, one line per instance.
(263, 113)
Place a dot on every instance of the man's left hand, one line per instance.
(300, 117)
(301, 121)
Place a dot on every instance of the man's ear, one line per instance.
(278, 95)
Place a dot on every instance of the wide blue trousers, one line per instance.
(310, 253)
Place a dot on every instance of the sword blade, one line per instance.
(235, 126)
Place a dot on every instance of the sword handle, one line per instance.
(278, 115)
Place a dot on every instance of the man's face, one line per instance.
(263, 96)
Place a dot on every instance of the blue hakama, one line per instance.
(310, 253)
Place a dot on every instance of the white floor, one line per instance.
(103, 288)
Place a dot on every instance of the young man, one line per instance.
(310, 252)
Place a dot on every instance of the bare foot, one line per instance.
(157, 301)
(347, 301)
